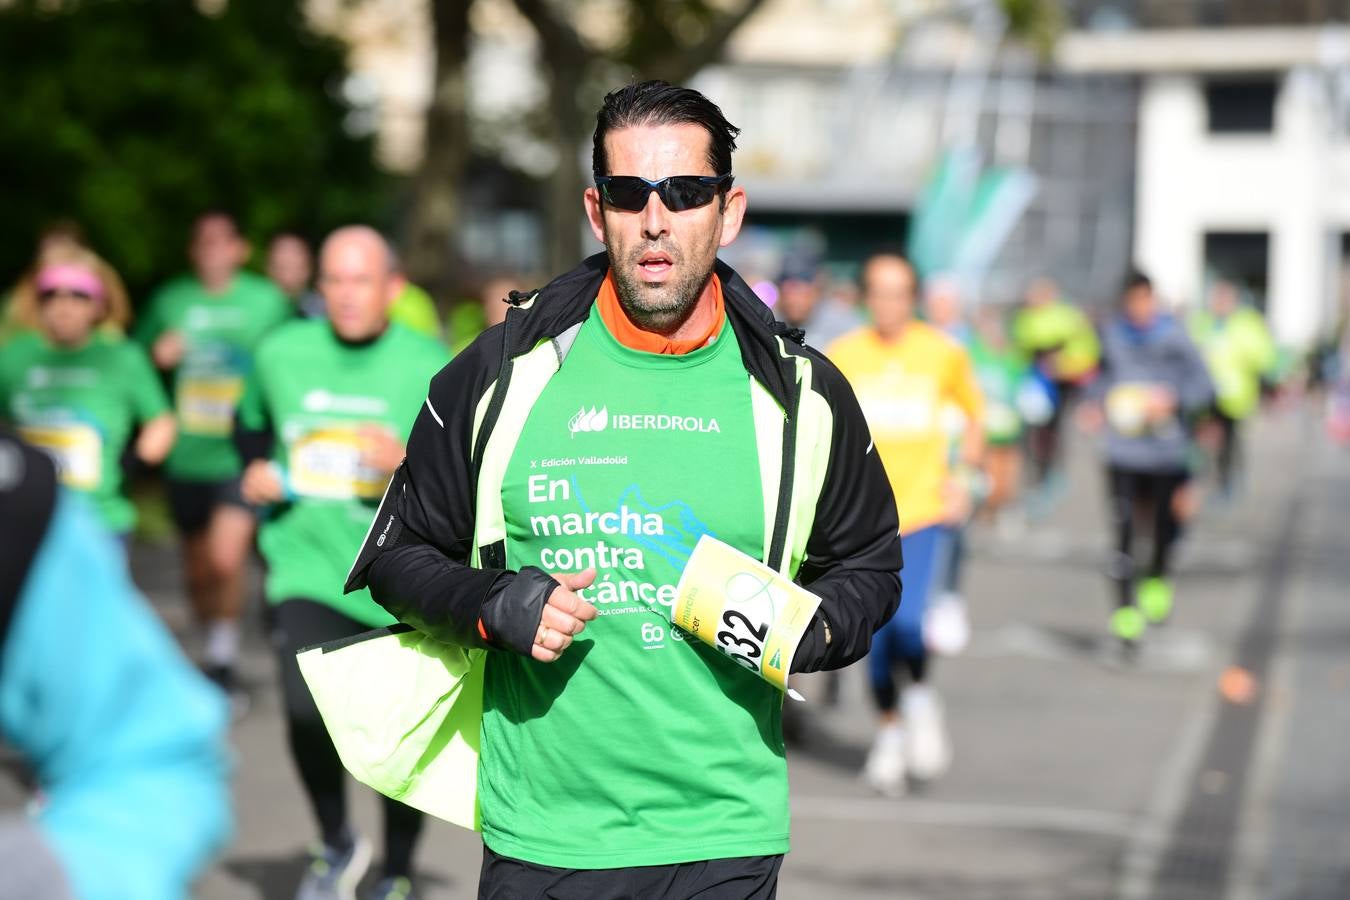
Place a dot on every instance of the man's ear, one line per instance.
(595, 213)
(733, 215)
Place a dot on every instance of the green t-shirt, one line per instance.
(220, 332)
(314, 392)
(640, 746)
(1002, 375)
(82, 406)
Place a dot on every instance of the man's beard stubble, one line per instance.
(660, 308)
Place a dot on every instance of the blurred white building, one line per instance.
(1242, 152)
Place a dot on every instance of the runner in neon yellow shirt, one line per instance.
(1240, 353)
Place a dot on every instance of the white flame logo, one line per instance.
(589, 420)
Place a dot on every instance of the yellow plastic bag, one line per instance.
(405, 713)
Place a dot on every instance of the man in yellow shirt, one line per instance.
(904, 373)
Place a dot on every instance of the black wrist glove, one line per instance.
(511, 618)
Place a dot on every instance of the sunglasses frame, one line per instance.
(661, 188)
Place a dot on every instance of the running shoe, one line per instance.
(225, 678)
(885, 767)
(1155, 599)
(334, 873)
(398, 888)
(930, 749)
(1128, 624)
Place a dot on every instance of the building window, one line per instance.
(1242, 257)
(1241, 105)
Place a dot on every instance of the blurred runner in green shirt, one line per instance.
(322, 426)
(203, 329)
(80, 391)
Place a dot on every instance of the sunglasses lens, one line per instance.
(687, 192)
(626, 192)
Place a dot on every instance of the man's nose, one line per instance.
(654, 217)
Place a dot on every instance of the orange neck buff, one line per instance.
(634, 338)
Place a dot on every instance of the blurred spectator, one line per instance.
(79, 391)
(413, 308)
(1151, 387)
(203, 329)
(471, 319)
(127, 742)
(802, 303)
(290, 265)
(1011, 395)
(944, 309)
(1240, 353)
(1062, 343)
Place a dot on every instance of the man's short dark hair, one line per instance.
(661, 103)
(1137, 279)
(216, 212)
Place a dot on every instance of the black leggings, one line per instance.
(1043, 441)
(1227, 456)
(298, 624)
(1129, 489)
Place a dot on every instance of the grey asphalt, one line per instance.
(1074, 776)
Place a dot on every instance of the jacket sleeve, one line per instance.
(853, 553)
(415, 558)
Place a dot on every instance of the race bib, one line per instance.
(740, 606)
(206, 403)
(907, 410)
(1127, 409)
(327, 463)
(77, 449)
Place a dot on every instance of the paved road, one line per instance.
(1074, 777)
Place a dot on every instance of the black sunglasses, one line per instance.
(52, 293)
(677, 192)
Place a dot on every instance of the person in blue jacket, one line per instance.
(126, 739)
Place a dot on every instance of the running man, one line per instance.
(905, 372)
(1151, 387)
(1240, 353)
(203, 329)
(321, 428)
(76, 388)
(1062, 343)
(644, 399)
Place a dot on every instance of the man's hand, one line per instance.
(1161, 405)
(260, 484)
(565, 615)
(957, 501)
(168, 350)
(379, 449)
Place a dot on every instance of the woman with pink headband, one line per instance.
(76, 387)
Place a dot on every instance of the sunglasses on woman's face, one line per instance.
(677, 192)
(52, 293)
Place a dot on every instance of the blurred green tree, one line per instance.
(132, 116)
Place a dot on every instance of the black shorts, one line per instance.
(740, 878)
(193, 502)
